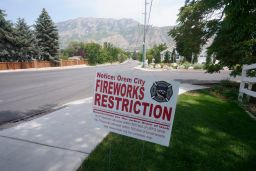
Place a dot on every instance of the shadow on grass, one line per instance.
(208, 134)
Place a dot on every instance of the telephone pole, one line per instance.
(144, 36)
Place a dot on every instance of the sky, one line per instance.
(163, 13)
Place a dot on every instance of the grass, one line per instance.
(209, 133)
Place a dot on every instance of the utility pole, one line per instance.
(144, 36)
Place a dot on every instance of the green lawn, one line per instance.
(209, 133)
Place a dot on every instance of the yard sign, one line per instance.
(141, 107)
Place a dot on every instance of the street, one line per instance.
(24, 94)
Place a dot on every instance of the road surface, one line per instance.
(24, 94)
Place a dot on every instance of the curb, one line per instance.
(174, 70)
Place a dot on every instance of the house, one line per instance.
(75, 58)
(203, 54)
(170, 50)
(201, 59)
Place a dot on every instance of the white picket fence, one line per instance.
(247, 80)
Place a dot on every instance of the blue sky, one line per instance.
(164, 12)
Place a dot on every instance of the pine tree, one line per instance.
(27, 43)
(156, 52)
(8, 42)
(173, 56)
(167, 57)
(47, 36)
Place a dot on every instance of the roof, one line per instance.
(75, 57)
(170, 49)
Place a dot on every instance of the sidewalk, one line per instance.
(59, 141)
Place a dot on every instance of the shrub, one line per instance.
(186, 65)
(174, 65)
(198, 66)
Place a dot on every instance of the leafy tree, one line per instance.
(104, 56)
(155, 52)
(75, 49)
(93, 53)
(112, 51)
(231, 24)
(162, 47)
(47, 36)
(122, 56)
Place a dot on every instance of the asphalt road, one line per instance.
(24, 94)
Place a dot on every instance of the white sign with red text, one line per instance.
(141, 107)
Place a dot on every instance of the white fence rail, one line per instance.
(247, 80)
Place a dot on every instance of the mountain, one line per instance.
(123, 33)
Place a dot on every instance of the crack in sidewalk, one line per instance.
(46, 145)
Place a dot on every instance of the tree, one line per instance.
(93, 53)
(8, 41)
(167, 57)
(173, 56)
(75, 49)
(135, 55)
(157, 55)
(231, 24)
(162, 47)
(27, 48)
(154, 52)
(47, 36)
(150, 56)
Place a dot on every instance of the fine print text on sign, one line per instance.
(135, 106)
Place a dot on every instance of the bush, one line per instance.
(174, 65)
(227, 89)
(122, 58)
(229, 84)
(187, 65)
(181, 67)
(198, 66)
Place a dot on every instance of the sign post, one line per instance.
(141, 107)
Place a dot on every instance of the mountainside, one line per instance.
(123, 33)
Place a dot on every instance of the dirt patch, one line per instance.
(194, 94)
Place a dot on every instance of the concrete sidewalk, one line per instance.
(59, 141)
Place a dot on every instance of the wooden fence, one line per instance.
(73, 62)
(249, 81)
(39, 64)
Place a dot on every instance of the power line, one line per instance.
(148, 26)
(149, 14)
(138, 36)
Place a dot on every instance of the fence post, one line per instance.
(241, 94)
(249, 88)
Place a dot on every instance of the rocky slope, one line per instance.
(124, 33)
